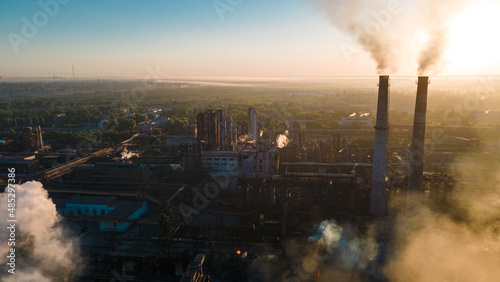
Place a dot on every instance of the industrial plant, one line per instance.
(215, 198)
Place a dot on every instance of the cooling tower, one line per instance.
(377, 205)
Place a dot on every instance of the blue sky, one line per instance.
(182, 37)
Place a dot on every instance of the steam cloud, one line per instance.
(44, 251)
(387, 29)
(282, 140)
(127, 155)
(348, 251)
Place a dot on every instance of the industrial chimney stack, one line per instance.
(377, 205)
(416, 162)
(252, 127)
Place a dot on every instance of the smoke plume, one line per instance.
(387, 29)
(282, 140)
(127, 155)
(462, 244)
(44, 251)
(354, 18)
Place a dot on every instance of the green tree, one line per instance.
(126, 125)
(176, 126)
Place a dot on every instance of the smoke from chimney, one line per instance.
(387, 29)
(282, 140)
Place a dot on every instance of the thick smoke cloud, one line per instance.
(391, 29)
(44, 251)
(441, 249)
(461, 244)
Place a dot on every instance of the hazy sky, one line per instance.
(259, 38)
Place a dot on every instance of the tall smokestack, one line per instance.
(416, 162)
(252, 127)
(40, 139)
(377, 206)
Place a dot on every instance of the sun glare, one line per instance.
(474, 46)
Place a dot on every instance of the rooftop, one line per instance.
(124, 209)
(89, 200)
(20, 160)
(220, 153)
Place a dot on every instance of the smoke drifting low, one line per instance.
(44, 251)
(439, 249)
(388, 29)
(462, 244)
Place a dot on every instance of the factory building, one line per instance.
(28, 139)
(113, 213)
(228, 161)
(86, 206)
(356, 121)
(215, 131)
(122, 211)
(23, 165)
(113, 172)
(260, 160)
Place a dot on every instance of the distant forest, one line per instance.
(317, 104)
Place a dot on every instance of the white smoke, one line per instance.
(44, 251)
(127, 155)
(350, 251)
(327, 233)
(282, 140)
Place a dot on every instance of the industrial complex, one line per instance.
(214, 199)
